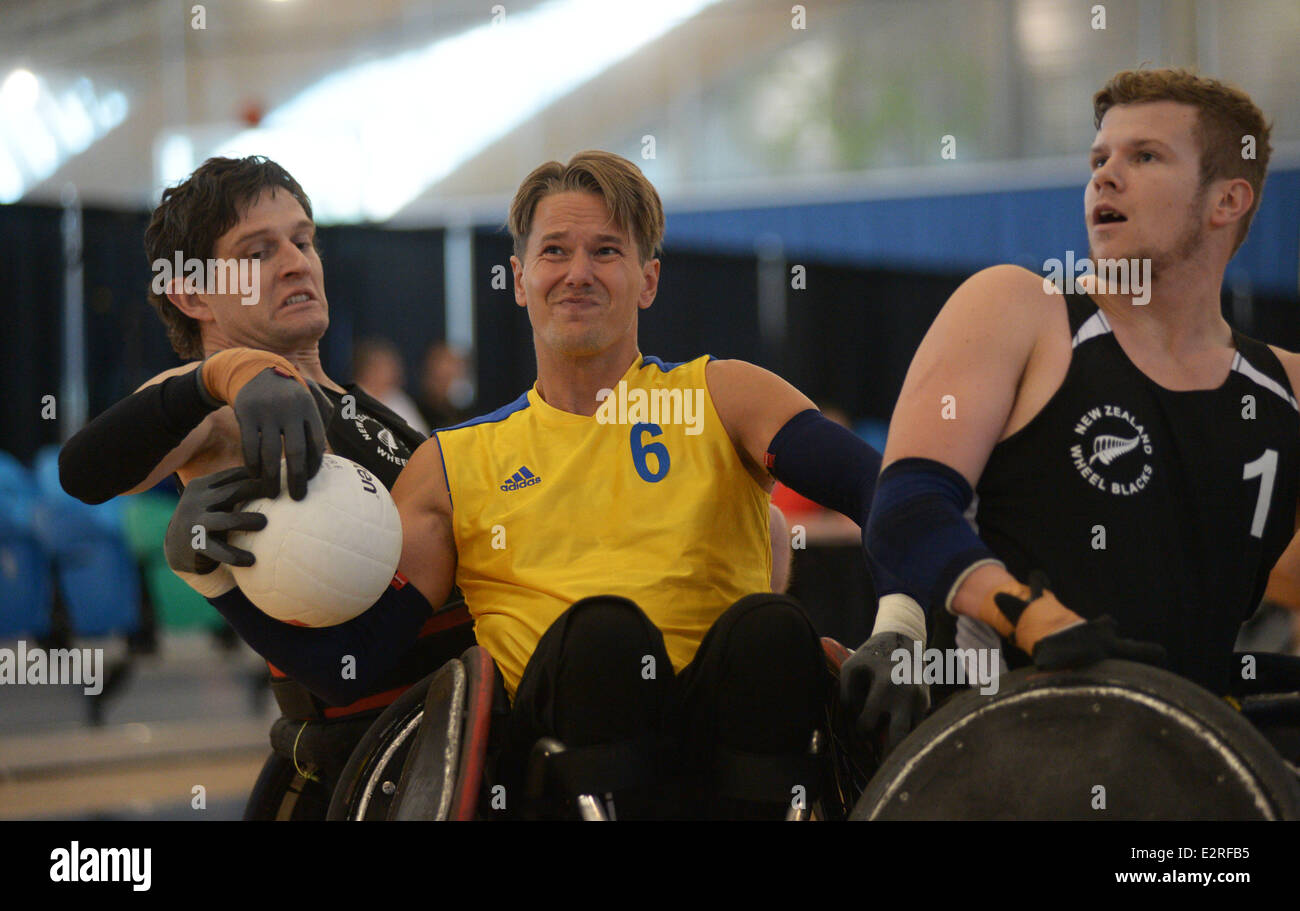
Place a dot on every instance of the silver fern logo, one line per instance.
(1109, 437)
(1109, 447)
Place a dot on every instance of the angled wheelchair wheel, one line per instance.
(1115, 740)
(369, 780)
(423, 757)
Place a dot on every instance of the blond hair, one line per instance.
(632, 201)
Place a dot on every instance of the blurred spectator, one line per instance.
(377, 368)
(446, 389)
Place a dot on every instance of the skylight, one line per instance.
(42, 127)
(368, 139)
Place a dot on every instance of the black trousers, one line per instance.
(601, 676)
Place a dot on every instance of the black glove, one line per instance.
(207, 502)
(865, 680)
(272, 406)
(1087, 643)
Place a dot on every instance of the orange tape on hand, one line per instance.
(227, 372)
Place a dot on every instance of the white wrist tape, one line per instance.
(898, 613)
(210, 585)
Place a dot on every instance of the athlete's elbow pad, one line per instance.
(918, 532)
(825, 462)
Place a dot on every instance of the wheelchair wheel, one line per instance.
(1115, 740)
(369, 780)
(423, 758)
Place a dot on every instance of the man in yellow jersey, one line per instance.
(609, 528)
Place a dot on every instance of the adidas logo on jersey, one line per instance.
(520, 479)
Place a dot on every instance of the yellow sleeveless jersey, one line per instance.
(648, 499)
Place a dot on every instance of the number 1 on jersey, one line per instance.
(1265, 467)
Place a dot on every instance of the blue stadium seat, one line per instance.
(26, 585)
(17, 490)
(97, 577)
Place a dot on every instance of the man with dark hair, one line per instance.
(194, 215)
(1130, 455)
(254, 386)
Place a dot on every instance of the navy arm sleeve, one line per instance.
(118, 449)
(827, 463)
(314, 656)
(918, 531)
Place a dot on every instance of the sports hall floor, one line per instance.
(192, 714)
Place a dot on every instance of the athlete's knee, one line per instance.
(768, 627)
(613, 675)
(607, 625)
(771, 683)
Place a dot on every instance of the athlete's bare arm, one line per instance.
(753, 404)
(985, 367)
(211, 446)
(424, 503)
(1284, 581)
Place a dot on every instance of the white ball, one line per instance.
(326, 558)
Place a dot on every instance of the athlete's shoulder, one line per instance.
(1006, 289)
(650, 362)
(1002, 310)
(499, 416)
(725, 373)
(168, 374)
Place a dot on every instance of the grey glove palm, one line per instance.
(196, 536)
(868, 691)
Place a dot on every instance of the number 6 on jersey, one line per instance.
(642, 449)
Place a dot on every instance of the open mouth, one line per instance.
(296, 299)
(1105, 215)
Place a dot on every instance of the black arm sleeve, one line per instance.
(375, 641)
(118, 449)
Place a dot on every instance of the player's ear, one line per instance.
(186, 302)
(1232, 200)
(649, 283)
(518, 268)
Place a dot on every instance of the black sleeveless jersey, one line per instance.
(1165, 510)
(370, 434)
